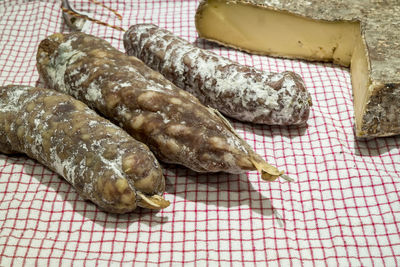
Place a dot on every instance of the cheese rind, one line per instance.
(345, 32)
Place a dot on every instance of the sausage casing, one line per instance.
(172, 122)
(241, 92)
(100, 160)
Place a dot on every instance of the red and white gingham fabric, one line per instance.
(344, 208)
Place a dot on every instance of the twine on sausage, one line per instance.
(77, 15)
(108, 8)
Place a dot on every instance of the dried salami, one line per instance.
(172, 122)
(100, 160)
(238, 91)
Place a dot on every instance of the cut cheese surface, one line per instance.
(350, 33)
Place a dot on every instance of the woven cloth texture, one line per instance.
(343, 209)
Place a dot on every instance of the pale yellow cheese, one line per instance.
(360, 81)
(278, 33)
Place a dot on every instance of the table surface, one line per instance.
(343, 209)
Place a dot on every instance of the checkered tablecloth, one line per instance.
(344, 208)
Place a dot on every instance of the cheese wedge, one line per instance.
(364, 36)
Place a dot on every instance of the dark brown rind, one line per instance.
(382, 116)
(101, 161)
(237, 91)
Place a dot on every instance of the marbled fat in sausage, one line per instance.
(100, 160)
(172, 122)
(238, 91)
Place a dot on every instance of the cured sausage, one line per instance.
(237, 91)
(172, 122)
(101, 161)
